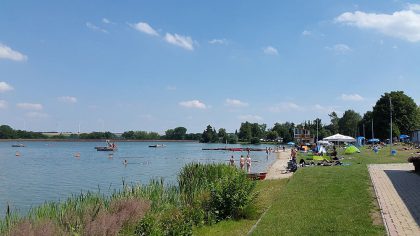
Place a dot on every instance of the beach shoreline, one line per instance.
(277, 170)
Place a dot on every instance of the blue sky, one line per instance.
(155, 65)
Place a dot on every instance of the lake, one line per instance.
(49, 171)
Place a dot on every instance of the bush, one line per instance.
(215, 192)
(416, 162)
(169, 222)
(255, 140)
(231, 196)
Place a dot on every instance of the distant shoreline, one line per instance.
(97, 140)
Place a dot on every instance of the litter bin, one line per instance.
(393, 152)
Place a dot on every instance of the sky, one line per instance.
(155, 65)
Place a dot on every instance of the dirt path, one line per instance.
(278, 169)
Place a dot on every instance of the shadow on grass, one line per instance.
(407, 184)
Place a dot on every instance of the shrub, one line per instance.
(416, 162)
(231, 196)
(255, 140)
(29, 228)
(169, 222)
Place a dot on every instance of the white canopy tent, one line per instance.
(340, 138)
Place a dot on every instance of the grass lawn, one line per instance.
(318, 201)
(329, 200)
(268, 193)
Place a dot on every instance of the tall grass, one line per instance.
(205, 193)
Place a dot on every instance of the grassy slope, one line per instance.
(268, 193)
(328, 200)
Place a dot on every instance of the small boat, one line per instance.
(110, 147)
(106, 149)
(257, 176)
(18, 145)
(157, 145)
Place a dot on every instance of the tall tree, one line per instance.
(348, 124)
(406, 115)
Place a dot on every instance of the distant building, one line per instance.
(302, 136)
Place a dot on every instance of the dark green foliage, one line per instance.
(284, 131)
(98, 135)
(248, 131)
(272, 135)
(406, 115)
(255, 140)
(348, 124)
(140, 135)
(231, 195)
(6, 132)
(209, 135)
(179, 133)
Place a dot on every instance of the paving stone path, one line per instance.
(398, 191)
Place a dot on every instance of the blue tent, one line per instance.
(373, 140)
(360, 141)
(404, 136)
(291, 143)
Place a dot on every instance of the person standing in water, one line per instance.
(232, 161)
(248, 164)
(242, 162)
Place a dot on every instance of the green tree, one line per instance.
(406, 116)
(223, 136)
(178, 133)
(272, 135)
(285, 131)
(209, 135)
(245, 132)
(334, 119)
(348, 124)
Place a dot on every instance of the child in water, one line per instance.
(232, 161)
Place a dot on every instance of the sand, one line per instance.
(278, 169)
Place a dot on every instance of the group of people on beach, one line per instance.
(242, 162)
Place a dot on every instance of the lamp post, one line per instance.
(390, 134)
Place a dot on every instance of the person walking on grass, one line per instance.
(248, 164)
(242, 162)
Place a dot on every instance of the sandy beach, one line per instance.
(278, 169)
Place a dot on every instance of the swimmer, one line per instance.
(17, 154)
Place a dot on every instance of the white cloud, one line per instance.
(324, 109)
(68, 99)
(351, 97)
(193, 104)
(3, 104)
(4, 87)
(107, 21)
(145, 28)
(219, 41)
(286, 106)
(340, 48)
(170, 88)
(306, 33)
(250, 118)
(404, 24)
(8, 53)
(30, 106)
(270, 50)
(235, 103)
(95, 28)
(36, 115)
(181, 41)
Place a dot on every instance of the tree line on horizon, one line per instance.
(406, 118)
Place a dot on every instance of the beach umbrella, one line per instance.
(291, 143)
(351, 149)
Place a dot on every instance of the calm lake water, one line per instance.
(48, 171)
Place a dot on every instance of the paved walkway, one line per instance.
(398, 191)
